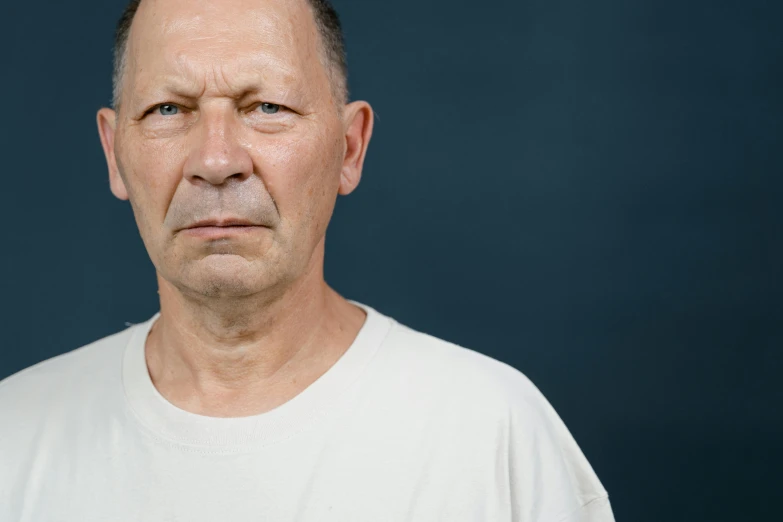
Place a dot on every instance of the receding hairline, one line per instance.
(330, 40)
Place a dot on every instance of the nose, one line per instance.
(215, 153)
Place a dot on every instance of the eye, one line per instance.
(269, 108)
(168, 110)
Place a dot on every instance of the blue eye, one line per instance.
(269, 108)
(168, 110)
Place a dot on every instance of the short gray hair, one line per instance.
(326, 20)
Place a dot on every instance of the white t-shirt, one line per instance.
(404, 427)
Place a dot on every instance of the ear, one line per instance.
(358, 121)
(107, 122)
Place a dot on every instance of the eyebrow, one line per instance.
(176, 85)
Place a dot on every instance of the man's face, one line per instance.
(227, 112)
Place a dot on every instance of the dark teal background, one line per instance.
(588, 191)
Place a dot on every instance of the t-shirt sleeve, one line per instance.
(550, 480)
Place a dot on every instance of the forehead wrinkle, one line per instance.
(175, 78)
(239, 79)
(239, 76)
(263, 47)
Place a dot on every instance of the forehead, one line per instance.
(221, 37)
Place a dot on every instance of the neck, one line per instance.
(243, 357)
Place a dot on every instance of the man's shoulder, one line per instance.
(90, 365)
(47, 406)
(486, 400)
(444, 367)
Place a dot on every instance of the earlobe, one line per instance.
(358, 131)
(107, 121)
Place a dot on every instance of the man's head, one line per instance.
(326, 19)
(232, 109)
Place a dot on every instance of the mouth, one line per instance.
(219, 228)
(222, 223)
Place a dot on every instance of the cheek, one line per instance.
(151, 171)
(302, 175)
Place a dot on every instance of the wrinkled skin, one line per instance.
(229, 110)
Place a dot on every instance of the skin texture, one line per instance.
(247, 320)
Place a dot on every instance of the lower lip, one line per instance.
(220, 232)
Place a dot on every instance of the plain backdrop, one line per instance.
(588, 191)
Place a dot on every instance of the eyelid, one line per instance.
(258, 104)
(159, 105)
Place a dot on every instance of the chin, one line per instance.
(228, 276)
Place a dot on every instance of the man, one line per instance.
(258, 393)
